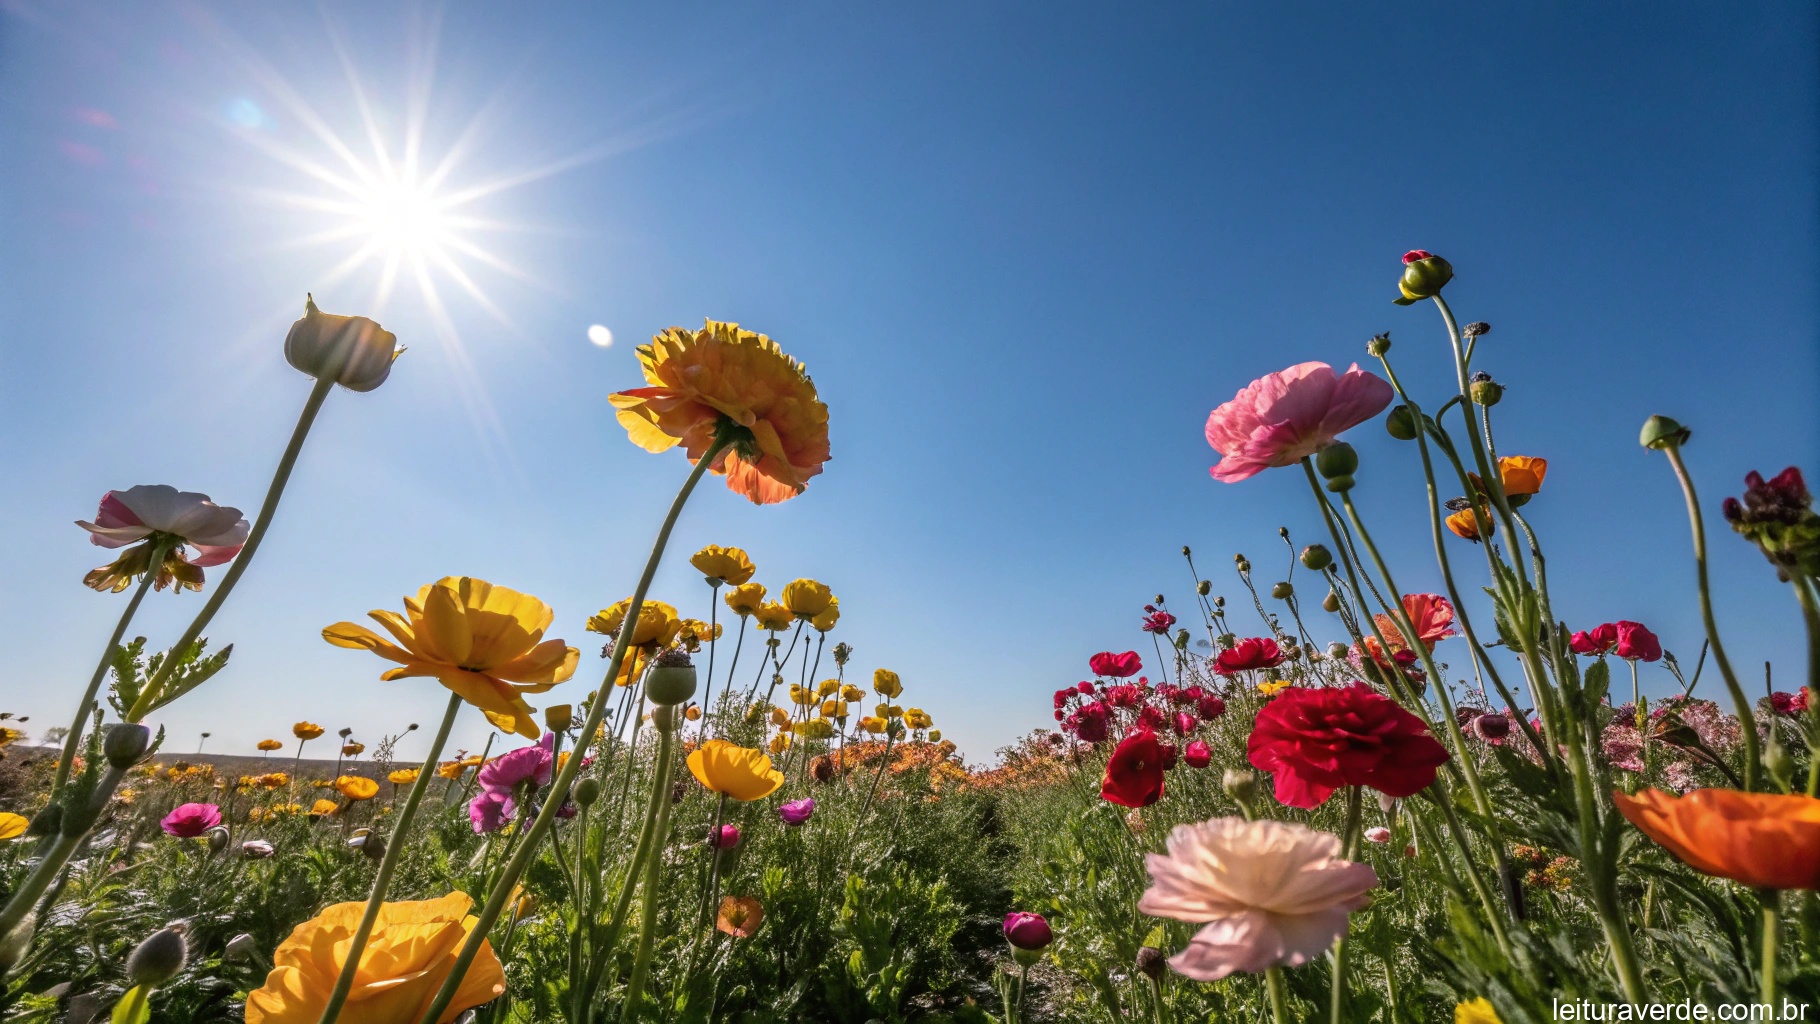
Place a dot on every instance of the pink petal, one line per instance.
(1357, 397)
(215, 554)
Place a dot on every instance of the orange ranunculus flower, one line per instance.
(774, 617)
(739, 916)
(695, 632)
(723, 565)
(1521, 475)
(269, 745)
(412, 948)
(306, 730)
(657, 622)
(356, 787)
(1470, 523)
(740, 772)
(481, 641)
(353, 749)
(1763, 840)
(451, 769)
(720, 373)
(402, 776)
(746, 598)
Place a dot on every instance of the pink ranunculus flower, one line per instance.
(530, 764)
(1379, 835)
(1268, 892)
(188, 821)
(1283, 417)
(1117, 666)
(489, 811)
(796, 812)
(1198, 754)
(180, 518)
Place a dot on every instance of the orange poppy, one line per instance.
(1470, 523)
(1521, 475)
(1763, 840)
(739, 916)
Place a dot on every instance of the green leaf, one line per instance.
(134, 1007)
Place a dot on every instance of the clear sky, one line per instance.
(1023, 248)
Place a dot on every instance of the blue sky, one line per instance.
(1023, 248)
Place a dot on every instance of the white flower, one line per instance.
(1269, 892)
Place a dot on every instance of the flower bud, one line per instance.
(256, 849)
(160, 957)
(669, 684)
(587, 791)
(558, 717)
(1282, 591)
(1027, 931)
(1401, 423)
(1336, 650)
(352, 351)
(1219, 602)
(1484, 390)
(726, 837)
(1242, 563)
(1316, 557)
(1203, 588)
(666, 717)
(1424, 275)
(240, 947)
(1336, 463)
(1331, 603)
(1379, 345)
(1185, 552)
(1240, 785)
(125, 743)
(218, 839)
(1151, 963)
(1660, 432)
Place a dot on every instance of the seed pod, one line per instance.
(671, 679)
(1660, 432)
(1331, 602)
(587, 791)
(1282, 591)
(1316, 557)
(160, 957)
(1336, 463)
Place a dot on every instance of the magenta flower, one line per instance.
(1158, 622)
(1378, 834)
(1282, 417)
(1198, 754)
(1029, 931)
(151, 513)
(1117, 666)
(1636, 642)
(490, 810)
(1595, 641)
(725, 837)
(795, 812)
(532, 764)
(188, 821)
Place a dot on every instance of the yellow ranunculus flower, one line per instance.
(774, 617)
(886, 683)
(306, 730)
(695, 632)
(692, 713)
(780, 743)
(353, 749)
(723, 565)
(402, 776)
(780, 717)
(657, 623)
(451, 769)
(269, 745)
(409, 954)
(12, 826)
(872, 724)
(1475, 1011)
(273, 780)
(740, 772)
(829, 616)
(323, 808)
(356, 787)
(888, 711)
(807, 598)
(917, 718)
(834, 709)
(1272, 686)
(850, 692)
(827, 687)
(745, 598)
(481, 641)
(801, 695)
(814, 729)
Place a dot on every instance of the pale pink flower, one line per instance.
(1282, 417)
(217, 531)
(1269, 893)
(1379, 835)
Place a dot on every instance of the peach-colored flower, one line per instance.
(1269, 893)
(721, 373)
(1282, 417)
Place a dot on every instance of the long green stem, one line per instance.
(1279, 997)
(149, 696)
(1747, 718)
(546, 820)
(382, 879)
(73, 741)
(660, 828)
(37, 882)
(1772, 914)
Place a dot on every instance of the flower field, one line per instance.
(1302, 794)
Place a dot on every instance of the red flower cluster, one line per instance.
(1090, 713)
(1250, 653)
(1631, 641)
(1789, 704)
(1315, 740)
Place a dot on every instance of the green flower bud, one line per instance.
(1331, 602)
(1316, 557)
(125, 743)
(587, 791)
(670, 684)
(1424, 275)
(1660, 433)
(160, 957)
(1484, 390)
(1401, 423)
(1336, 463)
(1203, 588)
(1282, 591)
(1379, 345)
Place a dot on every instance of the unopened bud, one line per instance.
(1336, 649)
(125, 743)
(1203, 588)
(1401, 423)
(1282, 591)
(1484, 390)
(1379, 345)
(1424, 274)
(1331, 602)
(1316, 557)
(1660, 433)
(1185, 552)
(1240, 785)
(218, 839)
(558, 717)
(1151, 963)
(1336, 463)
(160, 957)
(587, 791)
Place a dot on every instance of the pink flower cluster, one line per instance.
(1631, 641)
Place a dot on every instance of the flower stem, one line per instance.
(546, 820)
(73, 741)
(1279, 998)
(659, 827)
(1772, 913)
(382, 879)
(149, 696)
(1746, 717)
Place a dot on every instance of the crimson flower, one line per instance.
(1158, 622)
(1598, 640)
(1315, 740)
(1209, 708)
(1134, 773)
(1117, 666)
(1198, 754)
(1092, 722)
(1636, 642)
(1249, 653)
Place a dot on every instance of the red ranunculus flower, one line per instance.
(1198, 754)
(1598, 640)
(1158, 622)
(1315, 740)
(1118, 666)
(1250, 653)
(1092, 721)
(1134, 774)
(1636, 642)
(1209, 708)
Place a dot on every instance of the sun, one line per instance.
(405, 219)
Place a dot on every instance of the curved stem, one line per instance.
(1746, 716)
(73, 741)
(546, 820)
(382, 879)
(659, 827)
(149, 696)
